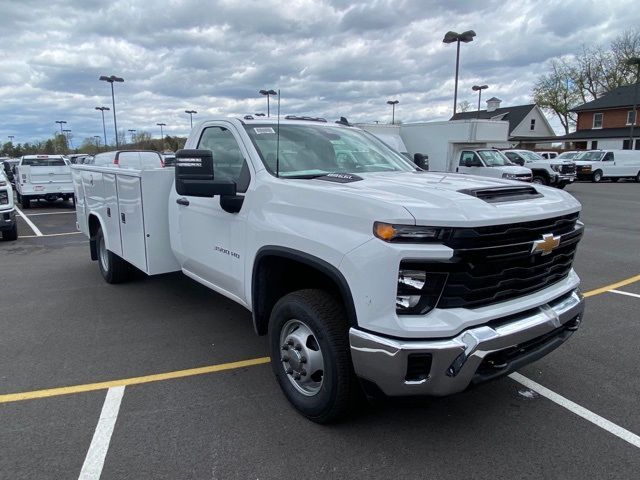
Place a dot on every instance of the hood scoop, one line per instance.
(503, 194)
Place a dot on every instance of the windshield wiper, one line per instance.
(306, 175)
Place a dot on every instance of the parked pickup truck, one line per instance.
(555, 172)
(364, 271)
(43, 177)
(8, 224)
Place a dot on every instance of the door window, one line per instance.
(228, 161)
(608, 157)
(471, 156)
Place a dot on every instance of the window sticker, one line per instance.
(260, 130)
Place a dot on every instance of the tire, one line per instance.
(596, 177)
(637, 178)
(25, 202)
(11, 235)
(317, 322)
(561, 186)
(539, 179)
(113, 268)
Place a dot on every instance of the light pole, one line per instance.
(61, 122)
(104, 128)
(479, 88)
(97, 139)
(11, 137)
(68, 137)
(112, 79)
(393, 104)
(132, 131)
(451, 37)
(267, 93)
(191, 114)
(162, 132)
(634, 61)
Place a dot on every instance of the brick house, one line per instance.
(605, 123)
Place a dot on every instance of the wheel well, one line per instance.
(540, 172)
(94, 225)
(282, 271)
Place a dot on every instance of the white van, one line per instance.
(596, 165)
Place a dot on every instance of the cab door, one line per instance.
(212, 241)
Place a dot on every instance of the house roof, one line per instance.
(514, 115)
(600, 133)
(618, 97)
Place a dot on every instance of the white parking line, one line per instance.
(620, 292)
(30, 223)
(603, 423)
(50, 235)
(94, 461)
(50, 213)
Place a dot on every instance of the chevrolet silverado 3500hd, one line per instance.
(364, 271)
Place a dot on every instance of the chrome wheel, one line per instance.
(301, 358)
(103, 254)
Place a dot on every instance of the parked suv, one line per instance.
(8, 225)
(557, 173)
(135, 159)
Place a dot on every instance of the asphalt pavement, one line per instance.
(61, 325)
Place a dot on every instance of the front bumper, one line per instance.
(7, 219)
(565, 178)
(445, 366)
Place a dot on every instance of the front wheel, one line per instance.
(539, 179)
(597, 176)
(310, 354)
(637, 178)
(113, 268)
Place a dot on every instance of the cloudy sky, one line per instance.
(330, 58)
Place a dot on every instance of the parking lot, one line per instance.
(162, 378)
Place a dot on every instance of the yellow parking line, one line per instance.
(89, 387)
(613, 286)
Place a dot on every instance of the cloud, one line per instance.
(329, 57)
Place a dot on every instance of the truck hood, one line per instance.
(438, 198)
(585, 162)
(514, 169)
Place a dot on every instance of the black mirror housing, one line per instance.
(195, 177)
(468, 162)
(421, 160)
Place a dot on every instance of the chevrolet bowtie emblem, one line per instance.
(546, 245)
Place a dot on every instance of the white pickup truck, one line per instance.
(365, 272)
(43, 176)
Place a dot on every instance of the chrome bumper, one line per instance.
(474, 356)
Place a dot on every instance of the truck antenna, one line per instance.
(278, 140)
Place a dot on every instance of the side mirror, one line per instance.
(421, 161)
(195, 178)
(468, 162)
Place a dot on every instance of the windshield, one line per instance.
(313, 150)
(590, 156)
(530, 156)
(493, 158)
(43, 162)
(568, 155)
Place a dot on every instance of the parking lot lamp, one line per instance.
(393, 104)
(267, 93)
(191, 114)
(104, 128)
(61, 122)
(11, 137)
(162, 132)
(68, 137)
(111, 79)
(634, 61)
(97, 139)
(479, 88)
(451, 37)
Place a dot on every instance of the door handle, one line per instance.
(182, 201)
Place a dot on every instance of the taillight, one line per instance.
(116, 161)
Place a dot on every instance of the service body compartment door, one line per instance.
(110, 213)
(131, 220)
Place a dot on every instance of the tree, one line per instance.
(557, 92)
(464, 106)
(595, 71)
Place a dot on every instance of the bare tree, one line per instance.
(557, 92)
(464, 106)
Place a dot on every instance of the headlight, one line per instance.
(4, 198)
(557, 168)
(418, 290)
(409, 233)
(509, 176)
